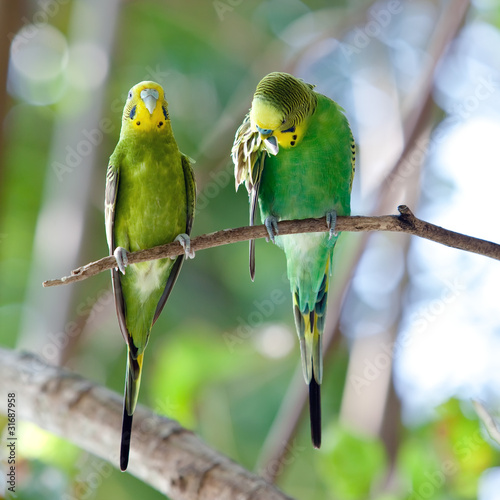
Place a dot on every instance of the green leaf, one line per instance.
(351, 463)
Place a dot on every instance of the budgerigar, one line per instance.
(296, 155)
(150, 199)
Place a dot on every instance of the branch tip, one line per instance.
(405, 211)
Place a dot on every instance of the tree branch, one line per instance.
(163, 454)
(406, 222)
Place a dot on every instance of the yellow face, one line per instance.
(146, 108)
(268, 121)
(265, 116)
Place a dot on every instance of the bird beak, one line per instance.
(270, 141)
(271, 144)
(149, 97)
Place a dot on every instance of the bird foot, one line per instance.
(185, 242)
(121, 258)
(331, 222)
(271, 224)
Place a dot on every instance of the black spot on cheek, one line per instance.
(160, 124)
(292, 143)
(137, 123)
(294, 137)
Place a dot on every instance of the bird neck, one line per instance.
(147, 133)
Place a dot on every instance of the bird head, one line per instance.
(146, 108)
(280, 109)
(266, 120)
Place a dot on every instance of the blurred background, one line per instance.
(413, 327)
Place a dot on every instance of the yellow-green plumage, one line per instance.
(150, 197)
(295, 154)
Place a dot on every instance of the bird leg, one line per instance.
(271, 224)
(185, 242)
(331, 222)
(121, 258)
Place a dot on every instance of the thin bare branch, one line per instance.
(164, 455)
(406, 222)
(488, 420)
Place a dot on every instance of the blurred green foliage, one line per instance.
(207, 365)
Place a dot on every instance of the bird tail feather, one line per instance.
(310, 325)
(132, 384)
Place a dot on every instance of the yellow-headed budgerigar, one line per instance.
(150, 199)
(296, 155)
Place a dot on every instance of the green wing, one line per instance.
(112, 179)
(190, 184)
(112, 182)
(190, 191)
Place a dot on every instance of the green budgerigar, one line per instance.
(150, 200)
(296, 154)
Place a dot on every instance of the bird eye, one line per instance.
(130, 95)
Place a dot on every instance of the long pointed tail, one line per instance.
(315, 412)
(310, 325)
(125, 443)
(132, 384)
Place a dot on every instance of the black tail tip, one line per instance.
(123, 460)
(125, 443)
(315, 412)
